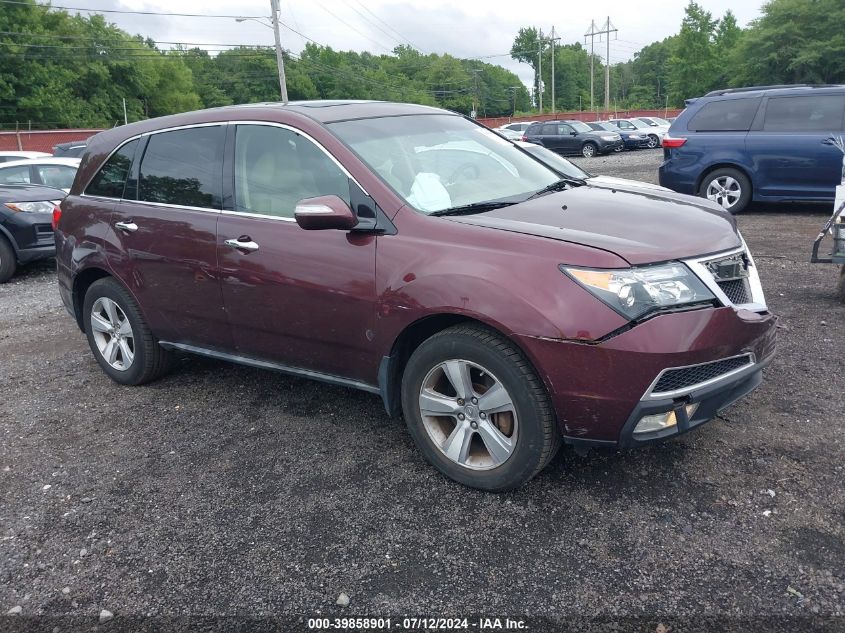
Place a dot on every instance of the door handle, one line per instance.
(129, 227)
(243, 243)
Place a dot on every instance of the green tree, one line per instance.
(693, 62)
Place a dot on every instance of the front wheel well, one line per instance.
(392, 367)
(81, 283)
(713, 168)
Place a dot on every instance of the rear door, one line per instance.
(569, 142)
(791, 153)
(551, 137)
(304, 299)
(165, 234)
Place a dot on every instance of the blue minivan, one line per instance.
(768, 144)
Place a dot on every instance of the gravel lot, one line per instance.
(223, 490)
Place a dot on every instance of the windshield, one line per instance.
(438, 162)
(641, 125)
(580, 127)
(606, 126)
(660, 121)
(556, 161)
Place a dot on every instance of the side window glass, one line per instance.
(549, 130)
(184, 167)
(275, 168)
(816, 113)
(11, 175)
(111, 178)
(730, 115)
(58, 176)
(564, 130)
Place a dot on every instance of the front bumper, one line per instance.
(609, 146)
(26, 255)
(636, 143)
(600, 391)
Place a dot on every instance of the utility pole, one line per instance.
(540, 70)
(476, 101)
(280, 60)
(608, 29)
(125, 118)
(552, 39)
(513, 89)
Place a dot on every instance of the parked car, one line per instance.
(52, 172)
(26, 231)
(72, 149)
(499, 307)
(767, 144)
(569, 170)
(655, 121)
(655, 134)
(572, 137)
(632, 140)
(514, 131)
(6, 157)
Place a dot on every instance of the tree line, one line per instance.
(63, 70)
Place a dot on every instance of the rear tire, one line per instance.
(588, 150)
(504, 440)
(727, 187)
(8, 261)
(119, 337)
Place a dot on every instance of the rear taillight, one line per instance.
(524, 138)
(668, 141)
(57, 215)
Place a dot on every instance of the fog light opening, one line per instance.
(662, 421)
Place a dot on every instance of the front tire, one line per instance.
(8, 261)
(119, 337)
(477, 410)
(588, 150)
(727, 187)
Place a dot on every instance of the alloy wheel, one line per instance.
(112, 333)
(589, 150)
(725, 191)
(468, 414)
(653, 141)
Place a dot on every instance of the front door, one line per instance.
(165, 235)
(569, 142)
(305, 299)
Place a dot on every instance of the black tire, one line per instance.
(653, 141)
(538, 438)
(589, 149)
(739, 177)
(8, 261)
(151, 361)
(619, 149)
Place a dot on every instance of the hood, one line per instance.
(640, 225)
(624, 183)
(30, 193)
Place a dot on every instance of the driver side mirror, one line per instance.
(324, 212)
(573, 133)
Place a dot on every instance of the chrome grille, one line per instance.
(685, 377)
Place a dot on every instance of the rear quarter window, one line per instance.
(730, 115)
(110, 181)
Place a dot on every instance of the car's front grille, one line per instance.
(685, 377)
(736, 290)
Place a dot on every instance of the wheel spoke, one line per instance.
(457, 371)
(110, 352)
(125, 328)
(498, 445)
(457, 444)
(99, 324)
(495, 399)
(127, 355)
(435, 404)
(111, 310)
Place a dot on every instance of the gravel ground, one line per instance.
(223, 490)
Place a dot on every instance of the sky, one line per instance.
(467, 29)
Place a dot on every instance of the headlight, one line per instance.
(609, 137)
(31, 207)
(634, 292)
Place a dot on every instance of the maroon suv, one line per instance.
(407, 251)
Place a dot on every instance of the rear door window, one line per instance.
(111, 179)
(812, 113)
(730, 115)
(549, 130)
(184, 168)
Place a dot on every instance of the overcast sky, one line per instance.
(470, 28)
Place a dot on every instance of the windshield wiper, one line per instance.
(475, 207)
(560, 185)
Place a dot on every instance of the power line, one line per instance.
(128, 12)
(411, 44)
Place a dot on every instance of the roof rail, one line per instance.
(727, 91)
